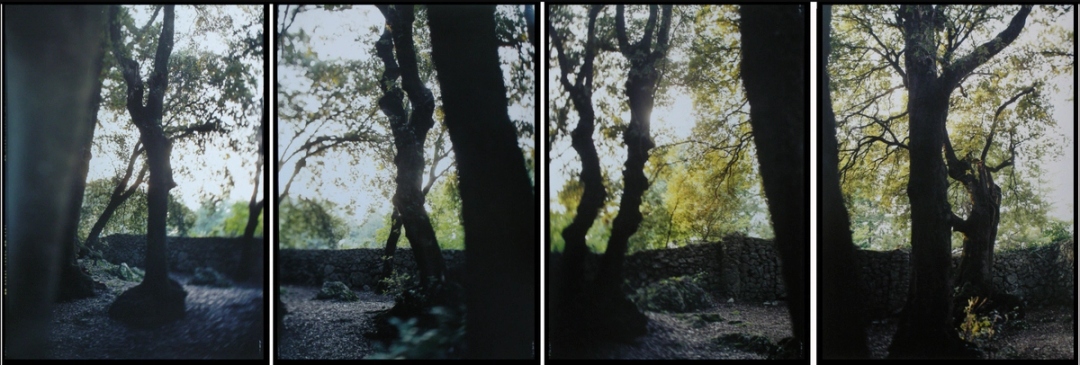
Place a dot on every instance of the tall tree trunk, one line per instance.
(645, 63)
(980, 227)
(395, 219)
(249, 255)
(841, 314)
(498, 206)
(571, 277)
(773, 70)
(409, 130)
(158, 299)
(925, 328)
(49, 92)
(74, 283)
(390, 248)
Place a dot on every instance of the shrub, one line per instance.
(337, 290)
(678, 294)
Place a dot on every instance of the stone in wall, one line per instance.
(1040, 275)
(357, 268)
(184, 254)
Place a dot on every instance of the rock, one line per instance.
(336, 290)
(328, 269)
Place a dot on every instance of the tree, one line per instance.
(498, 209)
(571, 278)
(74, 283)
(774, 75)
(158, 299)
(925, 328)
(409, 130)
(42, 134)
(839, 287)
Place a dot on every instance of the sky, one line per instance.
(347, 35)
(208, 170)
(677, 118)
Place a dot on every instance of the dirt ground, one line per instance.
(220, 323)
(323, 329)
(1045, 333)
(692, 335)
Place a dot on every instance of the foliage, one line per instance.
(397, 282)
(446, 341)
(870, 101)
(703, 184)
(336, 290)
(678, 294)
(129, 217)
(209, 277)
(309, 224)
(237, 220)
(977, 326)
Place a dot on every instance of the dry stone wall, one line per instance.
(357, 268)
(184, 254)
(1040, 275)
(737, 267)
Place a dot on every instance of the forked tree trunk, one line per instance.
(570, 280)
(158, 299)
(410, 130)
(925, 329)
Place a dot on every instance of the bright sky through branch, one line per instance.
(349, 35)
(209, 170)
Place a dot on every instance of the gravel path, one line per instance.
(689, 336)
(221, 323)
(323, 329)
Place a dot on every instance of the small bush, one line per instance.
(396, 283)
(446, 341)
(678, 294)
(976, 326)
(336, 290)
(209, 277)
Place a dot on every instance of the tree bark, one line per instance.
(980, 227)
(409, 130)
(498, 206)
(158, 299)
(571, 277)
(773, 70)
(49, 90)
(841, 300)
(75, 284)
(119, 195)
(925, 329)
(249, 255)
(645, 63)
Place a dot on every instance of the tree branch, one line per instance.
(957, 70)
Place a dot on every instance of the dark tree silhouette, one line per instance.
(498, 207)
(841, 322)
(774, 76)
(570, 279)
(74, 283)
(158, 299)
(980, 227)
(48, 96)
(925, 328)
(409, 129)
